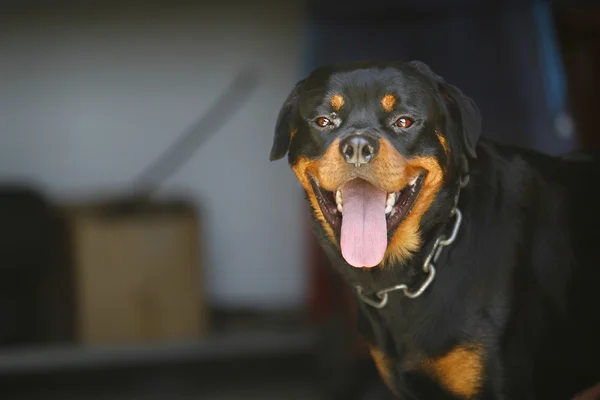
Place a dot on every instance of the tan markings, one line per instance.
(390, 172)
(337, 101)
(388, 102)
(407, 238)
(293, 133)
(461, 371)
(443, 142)
(386, 170)
(384, 365)
(301, 168)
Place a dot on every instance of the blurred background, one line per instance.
(149, 250)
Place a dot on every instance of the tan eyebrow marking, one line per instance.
(388, 102)
(337, 101)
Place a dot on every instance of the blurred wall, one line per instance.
(88, 98)
(502, 54)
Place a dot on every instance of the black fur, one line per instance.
(522, 278)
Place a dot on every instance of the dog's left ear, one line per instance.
(469, 115)
(284, 125)
(464, 106)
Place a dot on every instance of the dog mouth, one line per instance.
(364, 218)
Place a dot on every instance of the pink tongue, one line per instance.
(364, 229)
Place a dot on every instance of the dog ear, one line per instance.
(470, 117)
(284, 125)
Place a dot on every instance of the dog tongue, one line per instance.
(364, 230)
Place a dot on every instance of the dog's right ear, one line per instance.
(285, 123)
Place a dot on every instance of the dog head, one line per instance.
(379, 149)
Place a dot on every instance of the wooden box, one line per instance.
(137, 275)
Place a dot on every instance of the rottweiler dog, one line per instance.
(476, 265)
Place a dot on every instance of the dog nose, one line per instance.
(359, 149)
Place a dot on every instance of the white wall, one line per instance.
(88, 99)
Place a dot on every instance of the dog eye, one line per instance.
(404, 122)
(323, 122)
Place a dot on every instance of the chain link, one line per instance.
(429, 263)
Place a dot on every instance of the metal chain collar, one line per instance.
(429, 263)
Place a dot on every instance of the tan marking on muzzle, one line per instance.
(385, 171)
(407, 238)
(388, 171)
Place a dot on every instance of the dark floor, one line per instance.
(293, 378)
(245, 360)
(248, 379)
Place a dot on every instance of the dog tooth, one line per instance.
(390, 202)
(413, 180)
(391, 199)
(338, 200)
